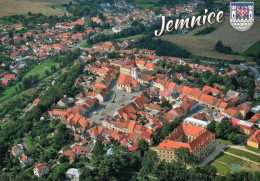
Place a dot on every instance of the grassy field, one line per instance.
(254, 49)
(28, 141)
(253, 149)
(228, 159)
(11, 7)
(145, 4)
(245, 154)
(38, 69)
(226, 142)
(221, 168)
(41, 68)
(130, 37)
(204, 45)
(223, 162)
(84, 44)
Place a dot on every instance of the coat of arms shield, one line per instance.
(242, 15)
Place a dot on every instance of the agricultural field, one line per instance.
(254, 49)
(13, 7)
(204, 45)
(199, 46)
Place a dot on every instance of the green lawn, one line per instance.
(38, 69)
(221, 168)
(84, 44)
(144, 6)
(253, 49)
(28, 141)
(253, 149)
(228, 159)
(41, 68)
(245, 154)
(130, 37)
(88, 164)
(226, 142)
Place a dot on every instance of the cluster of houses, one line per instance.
(145, 114)
(134, 70)
(38, 45)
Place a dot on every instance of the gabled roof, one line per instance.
(255, 137)
(9, 76)
(231, 111)
(201, 136)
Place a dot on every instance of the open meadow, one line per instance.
(13, 7)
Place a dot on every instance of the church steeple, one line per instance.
(134, 70)
(134, 63)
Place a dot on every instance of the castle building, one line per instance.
(199, 141)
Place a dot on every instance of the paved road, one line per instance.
(219, 148)
(253, 69)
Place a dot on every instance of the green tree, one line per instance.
(10, 34)
(109, 167)
(143, 145)
(98, 153)
(184, 156)
(58, 172)
(233, 138)
(47, 72)
(149, 162)
(212, 126)
(78, 28)
(166, 104)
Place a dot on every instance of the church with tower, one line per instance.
(128, 79)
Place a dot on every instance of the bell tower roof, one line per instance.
(134, 63)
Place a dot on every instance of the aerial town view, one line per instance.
(130, 90)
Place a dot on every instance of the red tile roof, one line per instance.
(9, 76)
(255, 137)
(255, 118)
(201, 136)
